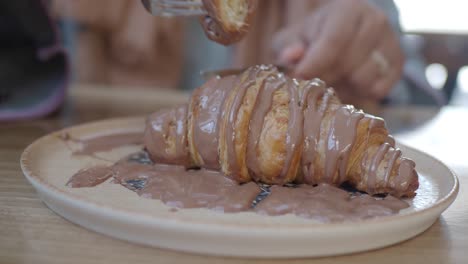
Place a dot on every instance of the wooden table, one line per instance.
(31, 233)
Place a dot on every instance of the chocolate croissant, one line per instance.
(266, 127)
(227, 21)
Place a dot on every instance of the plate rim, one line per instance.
(111, 211)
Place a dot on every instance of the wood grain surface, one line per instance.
(31, 233)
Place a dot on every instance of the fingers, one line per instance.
(288, 45)
(383, 85)
(381, 88)
(286, 37)
(328, 44)
(364, 79)
(291, 54)
(357, 47)
(365, 76)
(365, 41)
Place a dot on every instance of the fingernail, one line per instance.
(298, 75)
(292, 53)
(378, 92)
(283, 58)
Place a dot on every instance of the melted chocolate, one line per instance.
(376, 161)
(199, 189)
(394, 155)
(340, 140)
(313, 115)
(205, 120)
(406, 173)
(101, 143)
(326, 203)
(90, 177)
(162, 125)
(262, 106)
(252, 76)
(174, 185)
(180, 188)
(294, 135)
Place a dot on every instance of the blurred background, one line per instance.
(93, 60)
(437, 29)
(114, 57)
(440, 30)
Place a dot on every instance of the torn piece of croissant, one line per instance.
(227, 20)
(263, 126)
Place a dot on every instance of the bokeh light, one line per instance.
(436, 75)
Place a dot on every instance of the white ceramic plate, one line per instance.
(118, 212)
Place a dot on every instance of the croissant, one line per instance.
(227, 21)
(266, 127)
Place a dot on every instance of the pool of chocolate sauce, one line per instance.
(180, 188)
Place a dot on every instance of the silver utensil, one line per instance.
(234, 71)
(170, 8)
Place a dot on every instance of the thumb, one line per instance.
(287, 43)
(291, 54)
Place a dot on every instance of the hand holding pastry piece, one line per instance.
(264, 126)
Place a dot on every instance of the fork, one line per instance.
(206, 75)
(171, 8)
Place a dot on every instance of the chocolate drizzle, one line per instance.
(376, 161)
(232, 118)
(205, 121)
(405, 174)
(340, 140)
(262, 106)
(162, 126)
(294, 135)
(394, 155)
(232, 111)
(313, 115)
(321, 135)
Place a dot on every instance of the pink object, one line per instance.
(39, 85)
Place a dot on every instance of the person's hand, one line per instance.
(344, 42)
